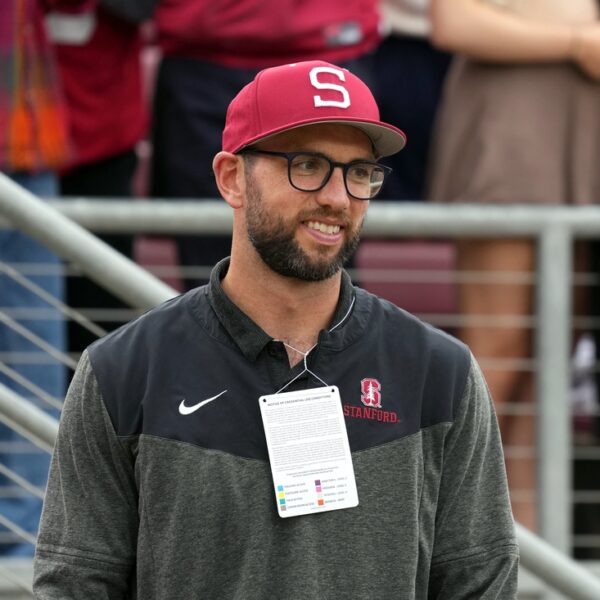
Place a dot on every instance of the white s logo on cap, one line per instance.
(314, 73)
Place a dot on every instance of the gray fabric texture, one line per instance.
(151, 518)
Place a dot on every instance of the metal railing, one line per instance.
(553, 228)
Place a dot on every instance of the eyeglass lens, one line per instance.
(308, 172)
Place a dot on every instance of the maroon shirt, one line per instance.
(264, 33)
(102, 82)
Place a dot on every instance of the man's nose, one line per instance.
(334, 192)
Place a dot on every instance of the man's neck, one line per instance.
(288, 309)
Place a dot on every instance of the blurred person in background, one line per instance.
(98, 46)
(34, 144)
(211, 50)
(519, 123)
(409, 75)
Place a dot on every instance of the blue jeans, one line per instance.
(29, 361)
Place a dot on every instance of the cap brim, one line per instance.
(386, 139)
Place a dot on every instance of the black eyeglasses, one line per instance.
(310, 172)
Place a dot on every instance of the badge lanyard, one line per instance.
(305, 370)
(308, 446)
(305, 354)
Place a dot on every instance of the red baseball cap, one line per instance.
(305, 93)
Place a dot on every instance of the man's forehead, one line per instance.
(313, 136)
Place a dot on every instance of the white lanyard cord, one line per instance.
(344, 317)
(305, 354)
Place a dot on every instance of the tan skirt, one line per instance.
(516, 134)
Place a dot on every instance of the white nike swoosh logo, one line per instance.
(188, 410)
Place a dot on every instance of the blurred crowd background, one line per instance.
(500, 100)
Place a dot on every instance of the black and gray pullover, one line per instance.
(146, 503)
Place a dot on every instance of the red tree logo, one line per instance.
(370, 392)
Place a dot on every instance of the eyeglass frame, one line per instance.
(289, 156)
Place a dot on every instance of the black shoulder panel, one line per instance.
(396, 375)
(130, 362)
(413, 374)
(177, 354)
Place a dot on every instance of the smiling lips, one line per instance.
(323, 227)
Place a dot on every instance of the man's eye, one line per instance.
(307, 165)
(360, 172)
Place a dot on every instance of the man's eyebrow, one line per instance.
(372, 158)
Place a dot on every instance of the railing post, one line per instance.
(553, 337)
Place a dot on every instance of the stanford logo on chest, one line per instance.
(370, 396)
(370, 392)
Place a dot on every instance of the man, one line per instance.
(161, 484)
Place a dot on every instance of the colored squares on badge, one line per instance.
(281, 497)
(319, 490)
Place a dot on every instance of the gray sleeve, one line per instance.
(86, 544)
(475, 551)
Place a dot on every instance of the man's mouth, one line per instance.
(323, 227)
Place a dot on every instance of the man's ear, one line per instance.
(229, 175)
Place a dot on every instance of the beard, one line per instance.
(275, 242)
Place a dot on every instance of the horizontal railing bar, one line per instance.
(13, 491)
(520, 452)
(20, 447)
(587, 541)
(385, 218)
(586, 497)
(387, 275)
(95, 314)
(586, 452)
(30, 358)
